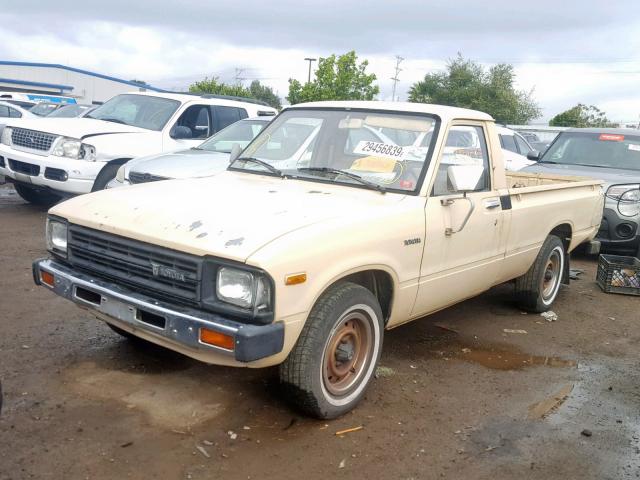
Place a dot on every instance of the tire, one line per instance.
(332, 363)
(36, 196)
(107, 174)
(537, 289)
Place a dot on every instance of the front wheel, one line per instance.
(36, 196)
(335, 357)
(537, 289)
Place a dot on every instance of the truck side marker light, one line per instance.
(295, 279)
(217, 339)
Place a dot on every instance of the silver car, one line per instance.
(208, 158)
(611, 155)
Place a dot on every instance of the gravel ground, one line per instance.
(455, 396)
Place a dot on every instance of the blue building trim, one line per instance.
(78, 70)
(36, 84)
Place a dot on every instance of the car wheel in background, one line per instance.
(327, 372)
(537, 289)
(36, 196)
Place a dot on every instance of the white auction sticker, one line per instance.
(377, 149)
(634, 147)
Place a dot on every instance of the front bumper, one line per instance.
(175, 327)
(57, 173)
(618, 233)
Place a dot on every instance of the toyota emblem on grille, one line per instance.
(167, 272)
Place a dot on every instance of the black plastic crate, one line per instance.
(618, 274)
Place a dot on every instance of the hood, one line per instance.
(182, 164)
(76, 127)
(610, 176)
(230, 215)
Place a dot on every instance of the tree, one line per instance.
(467, 84)
(337, 78)
(264, 93)
(215, 87)
(581, 116)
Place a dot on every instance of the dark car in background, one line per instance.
(611, 155)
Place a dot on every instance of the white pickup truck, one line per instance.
(51, 158)
(305, 266)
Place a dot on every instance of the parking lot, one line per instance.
(480, 390)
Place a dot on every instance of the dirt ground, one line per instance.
(455, 395)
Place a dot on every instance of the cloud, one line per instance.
(565, 52)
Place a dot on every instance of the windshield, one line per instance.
(240, 133)
(68, 111)
(352, 147)
(610, 150)
(43, 109)
(141, 111)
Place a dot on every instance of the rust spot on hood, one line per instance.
(234, 242)
(194, 225)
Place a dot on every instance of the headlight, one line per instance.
(56, 236)
(243, 288)
(628, 198)
(6, 136)
(72, 148)
(120, 174)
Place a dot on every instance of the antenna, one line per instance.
(395, 78)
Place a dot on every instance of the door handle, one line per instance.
(492, 203)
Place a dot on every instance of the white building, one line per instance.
(87, 87)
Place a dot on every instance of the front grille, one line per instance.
(144, 267)
(23, 167)
(32, 139)
(137, 177)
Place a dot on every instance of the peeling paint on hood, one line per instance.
(230, 215)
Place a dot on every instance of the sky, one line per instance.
(564, 52)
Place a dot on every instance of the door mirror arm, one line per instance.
(446, 202)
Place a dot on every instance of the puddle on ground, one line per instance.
(175, 401)
(505, 360)
(448, 343)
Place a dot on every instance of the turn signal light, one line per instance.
(216, 339)
(295, 279)
(46, 278)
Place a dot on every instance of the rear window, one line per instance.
(609, 150)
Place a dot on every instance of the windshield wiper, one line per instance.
(353, 176)
(262, 163)
(114, 120)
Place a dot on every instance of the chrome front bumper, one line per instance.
(173, 326)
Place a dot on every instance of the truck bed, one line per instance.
(532, 179)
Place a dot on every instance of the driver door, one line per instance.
(464, 242)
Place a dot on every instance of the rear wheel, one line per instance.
(537, 289)
(36, 196)
(335, 357)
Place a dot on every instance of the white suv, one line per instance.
(51, 158)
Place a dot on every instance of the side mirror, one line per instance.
(534, 155)
(180, 132)
(236, 150)
(465, 178)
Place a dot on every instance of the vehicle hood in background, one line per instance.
(230, 215)
(76, 127)
(182, 164)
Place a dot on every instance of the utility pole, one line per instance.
(395, 78)
(310, 60)
(238, 78)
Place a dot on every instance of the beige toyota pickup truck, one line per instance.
(338, 221)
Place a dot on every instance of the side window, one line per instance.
(225, 116)
(196, 119)
(508, 143)
(4, 111)
(13, 113)
(465, 146)
(522, 146)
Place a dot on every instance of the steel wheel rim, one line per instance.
(347, 353)
(551, 274)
